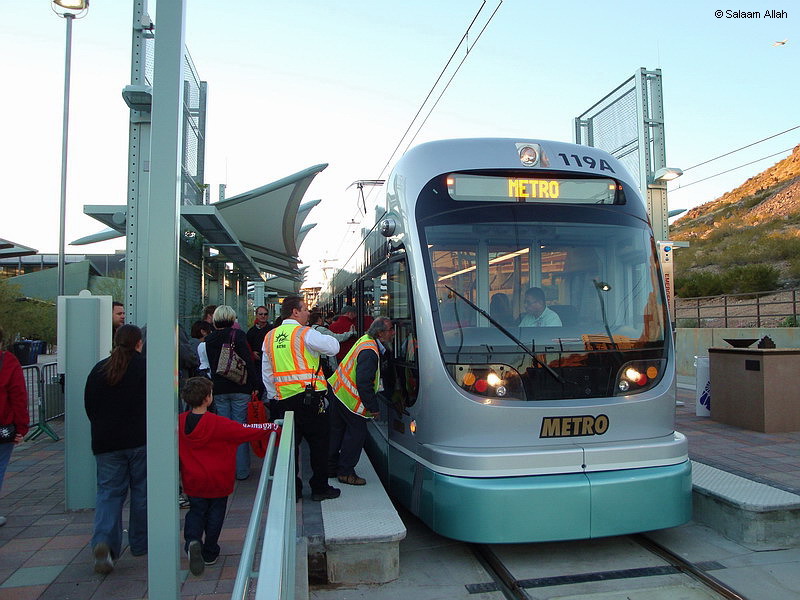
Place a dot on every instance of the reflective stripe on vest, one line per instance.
(293, 364)
(343, 381)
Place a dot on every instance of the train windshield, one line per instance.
(573, 293)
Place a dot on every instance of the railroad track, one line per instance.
(515, 589)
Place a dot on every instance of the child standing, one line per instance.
(207, 446)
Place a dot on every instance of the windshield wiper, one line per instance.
(510, 336)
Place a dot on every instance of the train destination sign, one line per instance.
(483, 188)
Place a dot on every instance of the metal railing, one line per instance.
(757, 309)
(276, 571)
(45, 398)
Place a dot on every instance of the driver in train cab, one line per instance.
(536, 312)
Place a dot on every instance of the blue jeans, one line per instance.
(5, 457)
(118, 471)
(205, 515)
(234, 407)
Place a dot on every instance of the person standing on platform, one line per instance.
(207, 446)
(354, 387)
(13, 406)
(115, 401)
(345, 322)
(208, 313)
(117, 317)
(316, 321)
(292, 375)
(255, 335)
(231, 398)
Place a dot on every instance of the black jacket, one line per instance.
(117, 413)
(214, 341)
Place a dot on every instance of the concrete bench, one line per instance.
(755, 515)
(362, 532)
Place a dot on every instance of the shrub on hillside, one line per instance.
(699, 284)
(750, 278)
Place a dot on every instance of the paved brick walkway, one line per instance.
(771, 458)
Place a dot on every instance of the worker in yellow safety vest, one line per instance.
(293, 381)
(354, 386)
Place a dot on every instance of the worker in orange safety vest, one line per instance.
(293, 381)
(354, 386)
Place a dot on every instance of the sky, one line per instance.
(294, 84)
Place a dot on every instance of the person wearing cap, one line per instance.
(353, 398)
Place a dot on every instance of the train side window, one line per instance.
(404, 355)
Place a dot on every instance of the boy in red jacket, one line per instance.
(207, 446)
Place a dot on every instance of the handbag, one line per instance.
(7, 432)
(231, 366)
(257, 414)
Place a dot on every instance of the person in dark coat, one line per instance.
(115, 399)
(230, 399)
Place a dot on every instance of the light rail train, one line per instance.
(498, 424)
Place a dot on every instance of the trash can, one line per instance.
(25, 351)
(702, 387)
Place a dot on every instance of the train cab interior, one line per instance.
(576, 297)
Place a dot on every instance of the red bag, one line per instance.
(257, 415)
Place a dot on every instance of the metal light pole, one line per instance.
(79, 9)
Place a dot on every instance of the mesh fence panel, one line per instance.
(193, 106)
(612, 125)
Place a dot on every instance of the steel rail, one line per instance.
(505, 580)
(687, 567)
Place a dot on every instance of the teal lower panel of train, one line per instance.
(538, 508)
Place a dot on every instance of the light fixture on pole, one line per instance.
(666, 174)
(68, 10)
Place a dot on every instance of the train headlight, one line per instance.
(489, 380)
(639, 375)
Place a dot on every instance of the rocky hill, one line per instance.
(772, 194)
(746, 240)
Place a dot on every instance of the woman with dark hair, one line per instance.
(115, 401)
(231, 398)
(13, 406)
(200, 330)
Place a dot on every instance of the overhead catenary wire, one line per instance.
(680, 187)
(742, 148)
(464, 38)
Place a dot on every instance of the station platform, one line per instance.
(45, 551)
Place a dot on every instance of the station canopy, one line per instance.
(260, 231)
(9, 249)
